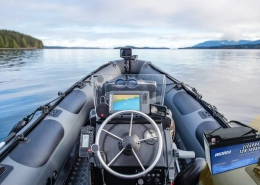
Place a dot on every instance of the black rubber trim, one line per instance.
(74, 101)
(41, 143)
(206, 125)
(7, 170)
(185, 103)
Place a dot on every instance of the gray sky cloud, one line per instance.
(172, 23)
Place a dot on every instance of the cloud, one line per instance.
(232, 35)
(164, 21)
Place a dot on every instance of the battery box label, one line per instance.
(235, 156)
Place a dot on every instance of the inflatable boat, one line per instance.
(128, 122)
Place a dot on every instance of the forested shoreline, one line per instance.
(15, 40)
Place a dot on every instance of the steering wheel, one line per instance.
(129, 144)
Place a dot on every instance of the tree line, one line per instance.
(13, 39)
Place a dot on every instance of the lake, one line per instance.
(228, 79)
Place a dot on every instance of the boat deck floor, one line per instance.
(79, 172)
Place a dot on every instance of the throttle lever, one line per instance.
(183, 154)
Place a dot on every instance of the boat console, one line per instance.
(132, 141)
(128, 92)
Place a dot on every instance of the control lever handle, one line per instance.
(183, 154)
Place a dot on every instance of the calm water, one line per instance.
(228, 79)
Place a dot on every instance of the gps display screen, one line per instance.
(126, 102)
(85, 140)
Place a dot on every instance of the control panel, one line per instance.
(144, 96)
(155, 177)
(86, 140)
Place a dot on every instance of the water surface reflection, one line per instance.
(228, 79)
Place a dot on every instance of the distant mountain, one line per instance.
(16, 40)
(63, 47)
(242, 46)
(255, 42)
(224, 44)
(133, 47)
(212, 43)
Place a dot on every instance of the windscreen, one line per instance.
(128, 89)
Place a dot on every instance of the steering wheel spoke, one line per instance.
(138, 160)
(147, 139)
(112, 134)
(115, 157)
(131, 124)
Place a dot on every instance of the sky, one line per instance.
(111, 23)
